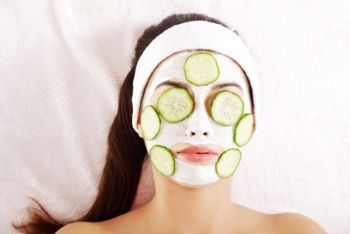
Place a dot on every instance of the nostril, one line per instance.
(205, 133)
(189, 133)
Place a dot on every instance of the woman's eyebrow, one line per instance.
(173, 83)
(227, 84)
(186, 85)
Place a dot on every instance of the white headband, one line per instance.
(192, 35)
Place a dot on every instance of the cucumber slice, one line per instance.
(201, 69)
(163, 160)
(175, 104)
(228, 162)
(226, 107)
(150, 122)
(243, 130)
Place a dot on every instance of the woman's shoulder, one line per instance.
(294, 223)
(130, 222)
(82, 227)
(286, 223)
(123, 223)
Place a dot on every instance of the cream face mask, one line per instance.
(196, 115)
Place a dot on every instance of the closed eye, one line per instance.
(211, 96)
(169, 84)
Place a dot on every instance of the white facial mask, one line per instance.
(218, 136)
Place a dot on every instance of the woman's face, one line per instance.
(198, 128)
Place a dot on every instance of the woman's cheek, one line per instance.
(169, 135)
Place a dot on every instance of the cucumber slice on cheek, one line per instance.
(201, 69)
(243, 130)
(163, 160)
(175, 104)
(226, 107)
(228, 162)
(150, 122)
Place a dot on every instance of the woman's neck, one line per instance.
(188, 210)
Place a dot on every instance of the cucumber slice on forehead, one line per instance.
(175, 104)
(163, 160)
(201, 69)
(228, 162)
(243, 130)
(226, 107)
(150, 122)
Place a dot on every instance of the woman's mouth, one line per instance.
(197, 154)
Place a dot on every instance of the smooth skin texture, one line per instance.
(176, 209)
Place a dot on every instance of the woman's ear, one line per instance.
(139, 131)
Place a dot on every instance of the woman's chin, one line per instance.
(192, 186)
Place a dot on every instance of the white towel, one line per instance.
(62, 63)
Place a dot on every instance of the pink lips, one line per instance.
(198, 154)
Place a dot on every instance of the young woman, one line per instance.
(189, 109)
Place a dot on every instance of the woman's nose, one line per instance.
(198, 124)
(192, 133)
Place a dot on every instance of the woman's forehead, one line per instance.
(171, 69)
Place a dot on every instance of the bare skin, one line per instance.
(181, 210)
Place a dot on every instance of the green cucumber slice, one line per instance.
(150, 122)
(163, 160)
(243, 130)
(175, 104)
(226, 107)
(201, 69)
(228, 162)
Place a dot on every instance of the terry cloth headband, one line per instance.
(192, 35)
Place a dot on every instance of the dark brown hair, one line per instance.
(126, 150)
